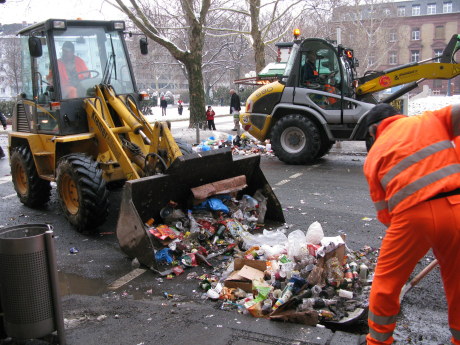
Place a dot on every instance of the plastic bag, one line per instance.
(269, 238)
(296, 241)
(213, 204)
(315, 233)
(273, 252)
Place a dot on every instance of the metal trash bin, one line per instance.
(29, 284)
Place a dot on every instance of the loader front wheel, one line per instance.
(31, 189)
(82, 191)
(295, 139)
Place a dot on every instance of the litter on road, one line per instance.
(303, 277)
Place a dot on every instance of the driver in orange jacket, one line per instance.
(413, 171)
(71, 70)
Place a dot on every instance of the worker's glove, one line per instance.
(4, 127)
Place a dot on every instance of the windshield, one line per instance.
(88, 54)
(290, 62)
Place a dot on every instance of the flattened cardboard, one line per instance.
(245, 271)
(229, 185)
(257, 264)
(250, 273)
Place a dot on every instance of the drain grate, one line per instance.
(242, 337)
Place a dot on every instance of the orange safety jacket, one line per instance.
(80, 66)
(412, 160)
(331, 89)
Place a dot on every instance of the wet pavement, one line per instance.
(334, 192)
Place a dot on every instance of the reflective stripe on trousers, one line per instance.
(381, 327)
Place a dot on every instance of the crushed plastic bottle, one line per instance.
(194, 226)
(248, 203)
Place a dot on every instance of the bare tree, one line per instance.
(163, 24)
(370, 28)
(11, 47)
(260, 19)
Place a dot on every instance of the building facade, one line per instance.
(414, 31)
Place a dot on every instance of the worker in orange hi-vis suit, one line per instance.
(71, 70)
(413, 171)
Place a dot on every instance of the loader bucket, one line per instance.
(143, 199)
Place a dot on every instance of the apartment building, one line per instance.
(410, 31)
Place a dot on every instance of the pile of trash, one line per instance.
(214, 224)
(302, 277)
(241, 145)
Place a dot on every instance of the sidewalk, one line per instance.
(352, 148)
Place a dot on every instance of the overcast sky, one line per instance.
(17, 11)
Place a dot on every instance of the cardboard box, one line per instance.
(226, 186)
(245, 272)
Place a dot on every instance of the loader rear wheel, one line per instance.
(295, 139)
(82, 192)
(31, 189)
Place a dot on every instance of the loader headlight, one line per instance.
(119, 26)
(59, 24)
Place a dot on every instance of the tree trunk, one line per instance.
(259, 54)
(196, 90)
(257, 42)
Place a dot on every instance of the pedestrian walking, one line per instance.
(4, 124)
(210, 118)
(163, 105)
(235, 107)
(180, 106)
(413, 171)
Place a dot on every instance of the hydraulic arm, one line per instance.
(447, 68)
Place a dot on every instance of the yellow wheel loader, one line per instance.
(77, 123)
(320, 99)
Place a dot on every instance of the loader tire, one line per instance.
(326, 146)
(31, 189)
(184, 147)
(295, 139)
(82, 191)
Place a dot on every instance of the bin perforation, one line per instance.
(29, 298)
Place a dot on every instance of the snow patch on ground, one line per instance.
(420, 105)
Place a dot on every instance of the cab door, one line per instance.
(327, 92)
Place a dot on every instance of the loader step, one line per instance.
(44, 153)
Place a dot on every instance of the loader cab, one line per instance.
(329, 90)
(62, 61)
(316, 64)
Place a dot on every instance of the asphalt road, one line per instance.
(333, 192)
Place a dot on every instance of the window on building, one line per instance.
(431, 9)
(401, 11)
(393, 58)
(370, 60)
(437, 52)
(2, 79)
(387, 12)
(415, 35)
(393, 36)
(437, 84)
(415, 10)
(447, 7)
(414, 55)
(2, 90)
(439, 32)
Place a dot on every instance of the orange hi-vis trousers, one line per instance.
(430, 224)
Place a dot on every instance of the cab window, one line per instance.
(90, 56)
